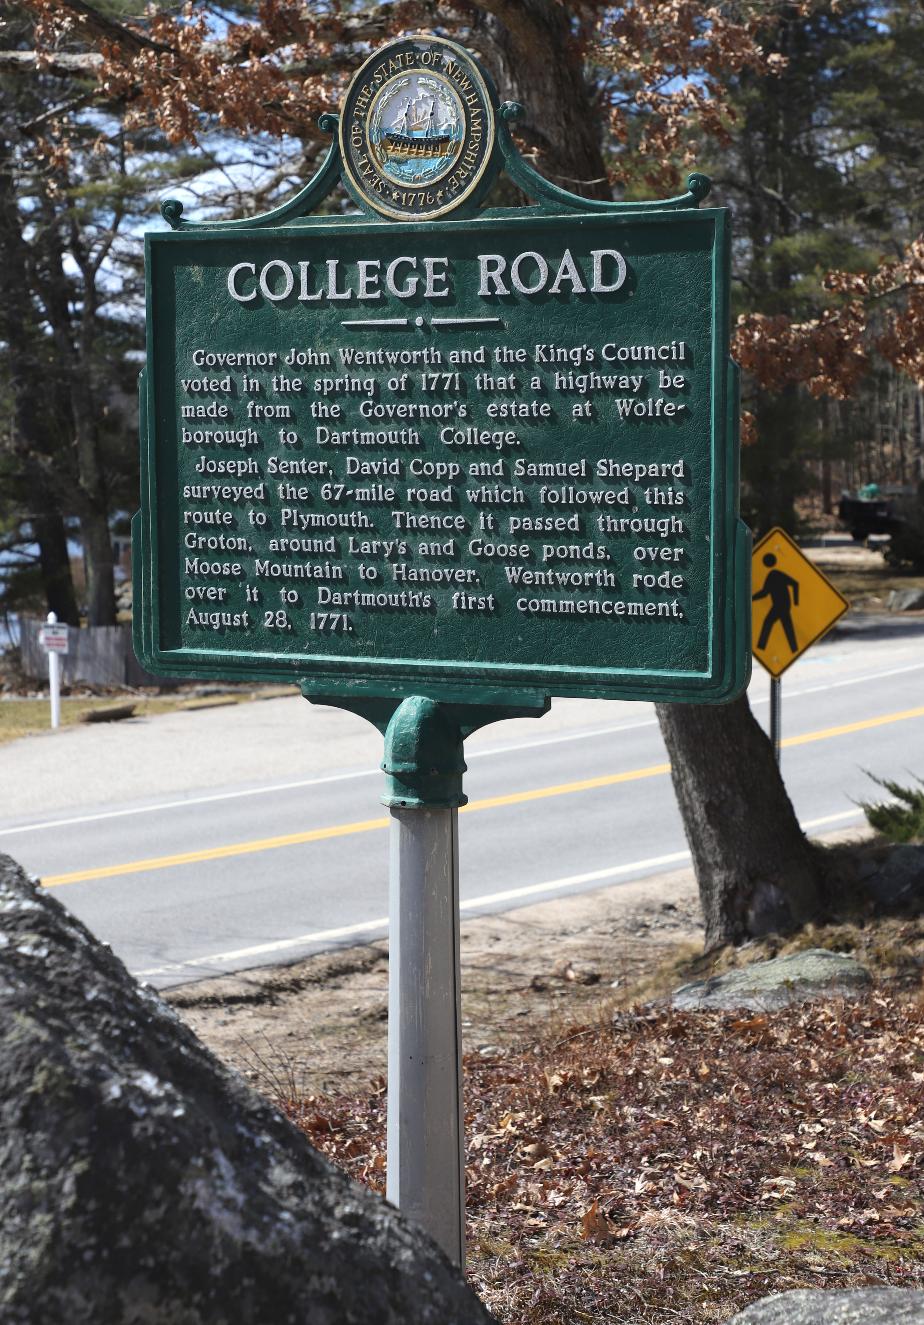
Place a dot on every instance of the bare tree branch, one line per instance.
(59, 66)
(91, 21)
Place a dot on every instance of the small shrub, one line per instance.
(900, 819)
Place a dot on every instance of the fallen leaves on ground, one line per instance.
(669, 1165)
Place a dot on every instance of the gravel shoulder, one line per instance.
(228, 746)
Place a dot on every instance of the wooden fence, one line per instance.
(97, 655)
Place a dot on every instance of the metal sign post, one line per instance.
(425, 1174)
(776, 717)
(54, 639)
(437, 463)
(426, 1167)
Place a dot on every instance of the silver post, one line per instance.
(776, 716)
(426, 1174)
(54, 678)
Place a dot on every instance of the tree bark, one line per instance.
(54, 559)
(536, 61)
(755, 868)
(75, 348)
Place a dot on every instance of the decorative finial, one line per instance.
(510, 111)
(328, 121)
(171, 209)
(699, 185)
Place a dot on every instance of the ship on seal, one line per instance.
(418, 133)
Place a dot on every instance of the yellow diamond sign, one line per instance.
(792, 603)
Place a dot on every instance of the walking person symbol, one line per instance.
(776, 587)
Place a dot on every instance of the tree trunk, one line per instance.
(536, 60)
(97, 543)
(51, 536)
(755, 869)
(75, 354)
(28, 392)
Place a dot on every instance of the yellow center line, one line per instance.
(215, 853)
(488, 803)
(826, 733)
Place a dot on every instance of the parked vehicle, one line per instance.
(872, 509)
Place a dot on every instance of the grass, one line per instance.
(29, 717)
(863, 583)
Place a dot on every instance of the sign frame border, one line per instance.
(355, 680)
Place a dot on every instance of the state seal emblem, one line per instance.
(417, 129)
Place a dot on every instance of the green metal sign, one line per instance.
(482, 458)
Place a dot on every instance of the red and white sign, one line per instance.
(53, 639)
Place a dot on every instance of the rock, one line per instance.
(802, 976)
(142, 1183)
(579, 975)
(858, 1306)
(898, 883)
(906, 600)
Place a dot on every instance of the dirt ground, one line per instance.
(861, 574)
(320, 1025)
(627, 1162)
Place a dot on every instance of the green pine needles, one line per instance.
(901, 818)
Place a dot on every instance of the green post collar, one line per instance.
(424, 737)
(423, 762)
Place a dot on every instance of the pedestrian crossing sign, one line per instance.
(792, 603)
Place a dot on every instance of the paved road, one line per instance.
(222, 839)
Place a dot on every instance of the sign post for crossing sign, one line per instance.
(792, 605)
(436, 463)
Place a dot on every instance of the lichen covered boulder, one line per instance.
(142, 1183)
(858, 1306)
(763, 986)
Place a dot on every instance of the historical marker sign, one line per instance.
(793, 603)
(488, 456)
(437, 465)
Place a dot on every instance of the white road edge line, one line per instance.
(374, 772)
(380, 926)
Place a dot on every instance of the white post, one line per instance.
(426, 1175)
(54, 678)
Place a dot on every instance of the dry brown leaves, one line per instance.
(801, 1130)
(679, 55)
(829, 354)
(882, 311)
(273, 75)
(276, 73)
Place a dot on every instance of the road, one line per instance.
(220, 875)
